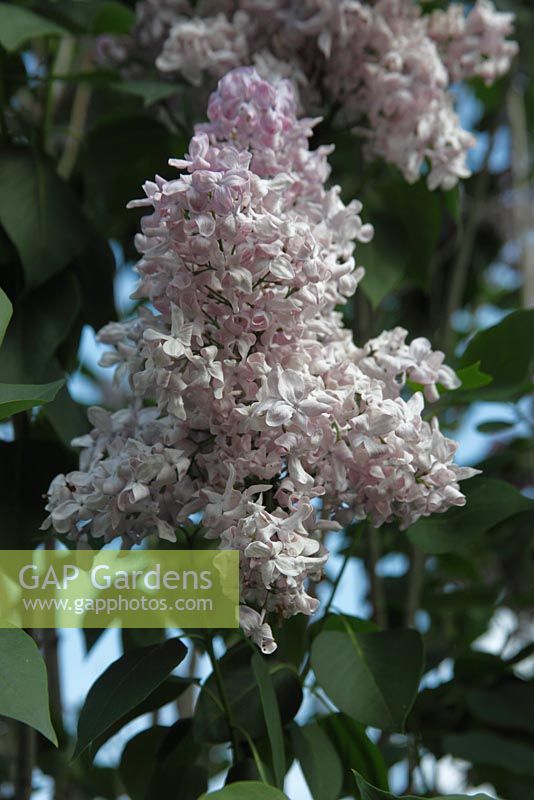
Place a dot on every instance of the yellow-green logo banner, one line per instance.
(125, 589)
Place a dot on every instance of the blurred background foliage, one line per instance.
(77, 142)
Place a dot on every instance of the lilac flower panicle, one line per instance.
(250, 404)
(387, 67)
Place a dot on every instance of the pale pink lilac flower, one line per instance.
(264, 416)
(474, 44)
(386, 67)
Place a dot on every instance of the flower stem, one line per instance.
(335, 585)
(377, 587)
(415, 586)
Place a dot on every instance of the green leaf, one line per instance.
(495, 749)
(452, 202)
(111, 182)
(15, 398)
(43, 320)
(245, 790)
(6, 312)
(400, 249)
(489, 501)
(369, 792)
(112, 17)
(150, 91)
(355, 750)
(509, 706)
(159, 759)
(50, 230)
(495, 426)
(343, 622)
(472, 378)
(291, 639)
(505, 351)
(474, 666)
(95, 269)
(242, 691)
(165, 693)
(123, 686)
(417, 202)
(67, 418)
(319, 761)
(372, 677)
(138, 760)
(24, 685)
(385, 261)
(18, 25)
(271, 713)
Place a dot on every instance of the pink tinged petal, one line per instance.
(290, 386)
(151, 335)
(313, 407)
(173, 348)
(165, 531)
(364, 235)
(463, 473)
(431, 393)
(205, 224)
(65, 511)
(216, 371)
(287, 566)
(263, 637)
(278, 414)
(281, 268)
(82, 441)
(258, 550)
(311, 546)
(297, 471)
(100, 418)
(249, 619)
(222, 200)
(448, 378)
(132, 495)
(186, 334)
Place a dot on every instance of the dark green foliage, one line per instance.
(342, 695)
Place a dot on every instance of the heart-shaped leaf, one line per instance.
(52, 229)
(372, 677)
(24, 684)
(18, 25)
(123, 686)
(16, 397)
